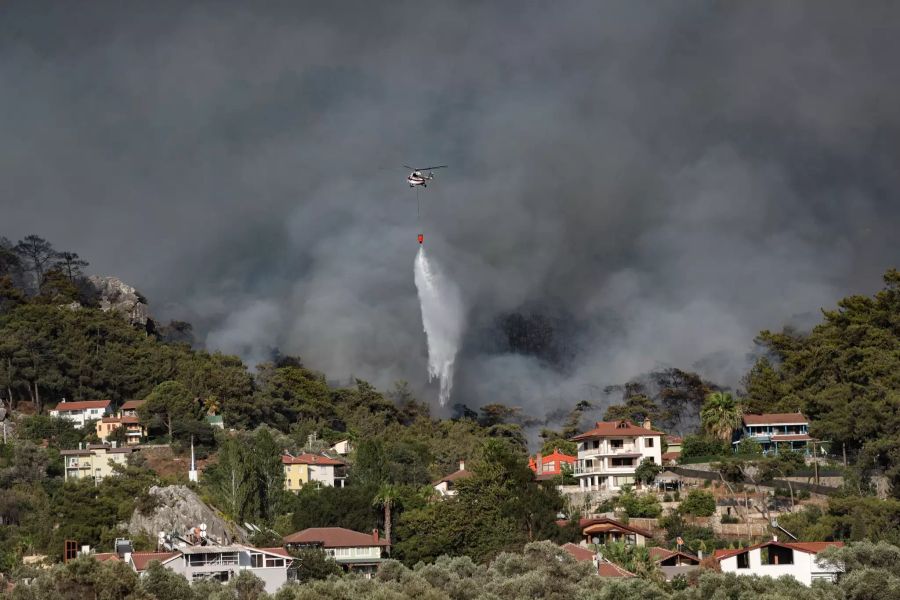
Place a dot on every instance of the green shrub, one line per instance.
(699, 504)
(730, 519)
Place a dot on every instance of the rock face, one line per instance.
(117, 295)
(179, 509)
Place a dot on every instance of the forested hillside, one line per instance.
(57, 342)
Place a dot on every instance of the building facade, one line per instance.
(777, 431)
(609, 454)
(316, 468)
(82, 412)
(221, 563)
(134, 431)
(130, 408)
(445, 486)
(94, 461)
(355, 552)
(552, 464)
(775, 559)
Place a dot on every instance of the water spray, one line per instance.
(442, 319)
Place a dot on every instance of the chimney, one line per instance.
(647, 423)
(462, 465)
(375, 535)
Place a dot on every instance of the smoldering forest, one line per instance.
(631, 186)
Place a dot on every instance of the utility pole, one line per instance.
(844, 445)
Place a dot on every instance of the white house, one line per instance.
(342, 448)
(445, 485)
(356, 552)
(774, 559)
(609, 454)
(221, 563)
(83, 411)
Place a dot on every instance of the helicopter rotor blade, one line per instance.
(432, 168)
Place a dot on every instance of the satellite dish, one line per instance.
(202, 526)
(595, 539)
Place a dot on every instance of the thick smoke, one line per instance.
(661, 180)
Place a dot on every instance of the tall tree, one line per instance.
(386, 498)
(720, 415)
(70, 264)
(36, 254)
(168, 402)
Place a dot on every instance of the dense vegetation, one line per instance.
(542, 570)
(55, 342)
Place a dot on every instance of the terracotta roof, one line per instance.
(608, 569)
(775, 419)
(797, 437)
(280, 551)
(132, 404)
(670, 455)
(82, 405)
(660, 554)
(142, 560)
(814, 547)
(310, 459)
(615, 429)
(334, 537)
(579, 553)
(602, 524)
(461, 474)
(808, 547)
(126, 420)
(105, 556)
(557, 455)
(674, 439)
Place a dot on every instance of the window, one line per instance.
(256, 561)
(648, 442)
(274, 562)
(622, 462)
(616, 444)
(596, 444)
(743, 560)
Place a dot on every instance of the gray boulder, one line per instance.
(120, 297)
(178, 509)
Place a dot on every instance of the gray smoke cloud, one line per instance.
(664, 180)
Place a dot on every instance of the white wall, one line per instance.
(801, 570)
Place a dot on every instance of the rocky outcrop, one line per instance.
(118, 296)
(178, 509)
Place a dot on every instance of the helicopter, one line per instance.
(418, 177)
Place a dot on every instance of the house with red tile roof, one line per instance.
(82, 411)
(355, 552)
(774, 431)
(799, 560)
(603, 530)
(316, 468)
(609, 454)
(545, 467)
(605, 568)
(134, 431)
(445, 485)
(130, 408)
(673, 563)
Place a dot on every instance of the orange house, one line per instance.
(552, 464)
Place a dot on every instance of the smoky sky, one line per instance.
(658, 181)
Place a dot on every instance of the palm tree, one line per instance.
(386, 498)
(720, 415)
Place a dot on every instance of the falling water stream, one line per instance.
(442, 319)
